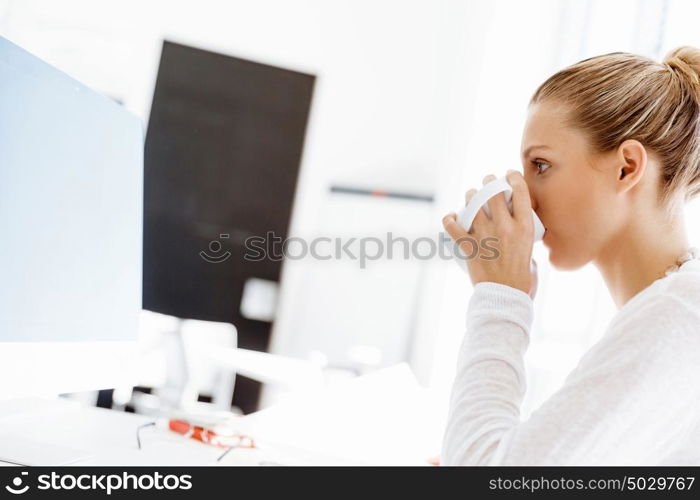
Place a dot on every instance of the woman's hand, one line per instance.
(512, 263)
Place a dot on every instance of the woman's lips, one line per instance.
(544, 236)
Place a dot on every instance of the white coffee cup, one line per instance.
(466, 214)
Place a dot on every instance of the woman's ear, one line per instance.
(632, 161)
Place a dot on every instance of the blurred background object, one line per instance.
(300, 117)
(222, 156)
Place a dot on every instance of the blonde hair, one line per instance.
(620, 96)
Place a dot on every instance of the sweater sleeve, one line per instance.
(630, 399)
(490, 379)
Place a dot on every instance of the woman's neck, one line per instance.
(641, 254)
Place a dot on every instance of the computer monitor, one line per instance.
(222, 158)
(71, 208)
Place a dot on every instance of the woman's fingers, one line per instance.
(449, 222)
(469, 195)
(458, 234)
(497, 204)
(522, 206)
(513, 268)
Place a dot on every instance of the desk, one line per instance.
(382, 418)
(110, 438)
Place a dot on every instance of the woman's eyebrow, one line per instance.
(537, 146)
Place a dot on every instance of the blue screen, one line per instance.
(71, 205)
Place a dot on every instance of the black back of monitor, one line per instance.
(222, 156)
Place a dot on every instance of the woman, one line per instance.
(610, 152)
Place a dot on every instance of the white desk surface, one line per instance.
(109, 436)
(382, 418)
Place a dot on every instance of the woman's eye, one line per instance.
(538, 164)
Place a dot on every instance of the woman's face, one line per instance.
(572, 191)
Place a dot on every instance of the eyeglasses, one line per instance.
(230, 442)
(138, 432)
(241, 441)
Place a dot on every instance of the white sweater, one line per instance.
(633, 398)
